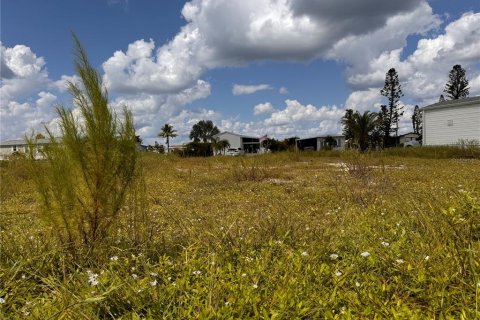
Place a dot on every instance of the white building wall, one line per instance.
(234, 140)
(446, 126)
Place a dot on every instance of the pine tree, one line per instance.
(417, 120)
(441, 99)
(393, 91)
(457, 85)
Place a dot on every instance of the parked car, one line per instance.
(233, 152)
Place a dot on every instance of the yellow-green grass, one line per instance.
(275, 236)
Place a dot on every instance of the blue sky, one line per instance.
(276, 67)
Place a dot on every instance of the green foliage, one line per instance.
(198, 149)
(457, 85)
(203, 131)
(91, 170)
(220, 146)
(167, 132)
(361, 127)
(392, 90)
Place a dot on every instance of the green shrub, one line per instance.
(92, 169)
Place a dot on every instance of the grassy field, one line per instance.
(278, 236)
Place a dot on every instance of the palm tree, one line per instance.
(218, 144)
(223, 144)
(361, 126)
(167, 132)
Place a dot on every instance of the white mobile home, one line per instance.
(449, 122)
(320, 143)
(245, 144)
(7, 148)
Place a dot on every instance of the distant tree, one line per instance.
(167, 132)
(393, 91)
(346, 129)
(159, 147)
(204, 131)
(220, 145)
(330, 142)
(361, 126)
(138, 139)
(290, 142)
(274, 145)
(441, 99)
(457, 85)
(198, 149)
(417, 120)
(39, 136)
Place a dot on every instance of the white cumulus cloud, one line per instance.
(239, 89)
(263, 108)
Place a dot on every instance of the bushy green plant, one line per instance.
(91, 169)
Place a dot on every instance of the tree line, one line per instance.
(380, 129)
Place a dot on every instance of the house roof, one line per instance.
(453, 103)
(18, 142)
(406, 134)
(235, 134)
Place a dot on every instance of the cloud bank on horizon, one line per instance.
(158, 82)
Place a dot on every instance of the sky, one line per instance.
(278, 67)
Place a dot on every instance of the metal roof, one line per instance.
(453, 103)
(235, 134)
(17, 142)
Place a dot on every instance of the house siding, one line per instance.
(234, 140)
(446, 126)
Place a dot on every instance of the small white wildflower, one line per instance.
(365, 254)
(134, 276)
(342, 231)
(382, 213)
(399, 261)
(153, 274)
(333, 256)
(307, 228)
(114, 258)
(153, 283)
(196, 272)
(427, 258)
(478, 284)
(255, 286)
(385, 244)
(226, 303)
(174, 284)
(2, 301)
(23, 276)
(244, 275)
(357, 284)
(304, 253)
(92, 278)
(169, 278)
(338, 273)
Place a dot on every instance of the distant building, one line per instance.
(319, 143)
(245, 144)
(449, 122)
(407, 137)
(9, 147)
